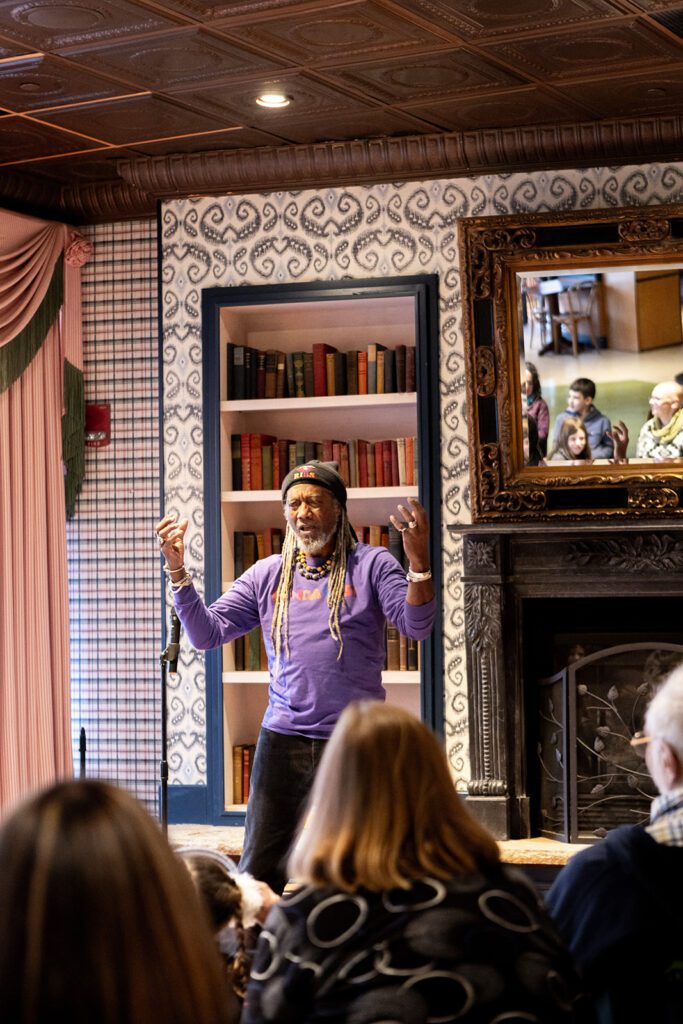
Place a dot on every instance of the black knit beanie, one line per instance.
(321, 474)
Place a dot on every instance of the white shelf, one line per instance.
(327, 403)
(261, 678)
(354, 494)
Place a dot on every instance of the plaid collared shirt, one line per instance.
(666, 818)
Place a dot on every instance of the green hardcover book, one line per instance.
(299, 375)
(254, 650)
(309, 377)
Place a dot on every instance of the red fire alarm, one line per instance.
(97, 424)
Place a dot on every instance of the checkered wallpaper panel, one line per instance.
(113, 566)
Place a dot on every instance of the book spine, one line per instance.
(280, 376)
(372, 369)
(410, 461)
(339, 373)
(329, 373)
(309, 383)
(353, 463)
(372, 481)
(237, 774)
(238, 389)
(389, 372)
(320, 351)
(245, 442)
(236, 461)
(362, 373)
(289, 375)
(379, 464)
(393, 445)
(230, 367)
(410, 368)
(380, 371)
(401, 454)
(256, 455)
(400, 366)
(392, 648)
(328, 455)
(402, 653)
(267, 467)
(299, 375)
(271, 374)
(352, 372)
(362, 463)
(260, 374)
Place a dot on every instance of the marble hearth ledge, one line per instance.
(538, 852)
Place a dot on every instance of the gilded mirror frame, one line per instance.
(493, 251)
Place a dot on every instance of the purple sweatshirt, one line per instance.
(313, 687)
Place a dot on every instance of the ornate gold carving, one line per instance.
(653, 498)
(641, 230)
(485, 370)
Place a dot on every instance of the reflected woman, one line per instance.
(536, 405)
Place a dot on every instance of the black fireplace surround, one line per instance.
(550, 611)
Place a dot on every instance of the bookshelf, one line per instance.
(346, 322)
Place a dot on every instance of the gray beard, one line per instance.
(315, 546)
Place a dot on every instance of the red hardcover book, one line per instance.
(362, 373)
(271, 373)
(395, 476)
(345, 465)
(245, 445)
(329, 373)
(371, 464)
(320, 351)
(379, 465)
(256, 453)
(328, 455)
(337, 455)
(363, 463)
(386, 464)
(410, 461)
(282, 462)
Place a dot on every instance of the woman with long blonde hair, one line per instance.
(404, 911)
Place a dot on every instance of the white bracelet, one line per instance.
(179, 584)
(418, 577)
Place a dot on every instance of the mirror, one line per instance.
(592, 300)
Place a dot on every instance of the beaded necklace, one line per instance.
(313, 572)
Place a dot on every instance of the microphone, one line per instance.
(174, 646)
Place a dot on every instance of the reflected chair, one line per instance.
(538, 313)
(578, 303)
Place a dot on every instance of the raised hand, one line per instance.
(171, 534)
(414, 529)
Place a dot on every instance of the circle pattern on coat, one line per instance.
(336, 919)
(507, 911)
(422, 895)
(447, 990)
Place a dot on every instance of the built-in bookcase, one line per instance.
(348, 316)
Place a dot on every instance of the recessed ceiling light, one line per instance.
(272, 99)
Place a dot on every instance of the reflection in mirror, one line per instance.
(601, 365)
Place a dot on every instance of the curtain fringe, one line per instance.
(16, 355)
(73, 435)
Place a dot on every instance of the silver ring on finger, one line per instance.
(401, 529)
(412, 524)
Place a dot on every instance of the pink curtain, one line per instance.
(35, 713)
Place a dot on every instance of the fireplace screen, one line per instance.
(591, 778)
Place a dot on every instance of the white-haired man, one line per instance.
(661, 437)
(619, 904)
(322, 605)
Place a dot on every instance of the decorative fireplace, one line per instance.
(568, 632)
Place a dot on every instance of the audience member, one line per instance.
(536, 405)
(661, 437)
(98, 919)
(406, 913)
(580, 403)
(571, 442)
(619, 904)
(236, 904)
(533, 456)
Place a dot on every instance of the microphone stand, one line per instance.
(169, 656)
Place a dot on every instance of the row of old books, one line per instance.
(270, 373)
(262, 461)
(242, 759)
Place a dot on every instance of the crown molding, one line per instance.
(145, 180)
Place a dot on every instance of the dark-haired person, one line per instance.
(99, 920)
(405, 913)
(322, 605)
(536, 405)
(580, 402)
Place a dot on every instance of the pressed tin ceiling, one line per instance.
(105, 107)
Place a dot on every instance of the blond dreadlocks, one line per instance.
(335, 589)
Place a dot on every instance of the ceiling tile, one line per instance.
(308, 97)
(174, 59)
(237, 138)
(634, 96)
(354, 31)
(361, 125)
(480, 19)
(22, 139)
(83, 169)
(437, 75)
(49, 82)
(10, 49)
(212, 10)
(51, 24)
(518, 107)
(619, 46)
(141, 118)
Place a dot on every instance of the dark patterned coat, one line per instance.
(472, 949)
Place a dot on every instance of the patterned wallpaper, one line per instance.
(114, 585)
(388, 229)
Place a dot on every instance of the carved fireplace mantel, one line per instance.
(523, 585)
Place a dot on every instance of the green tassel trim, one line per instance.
(16, 355)
(73, 435)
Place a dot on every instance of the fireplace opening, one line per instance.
(591, 666)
